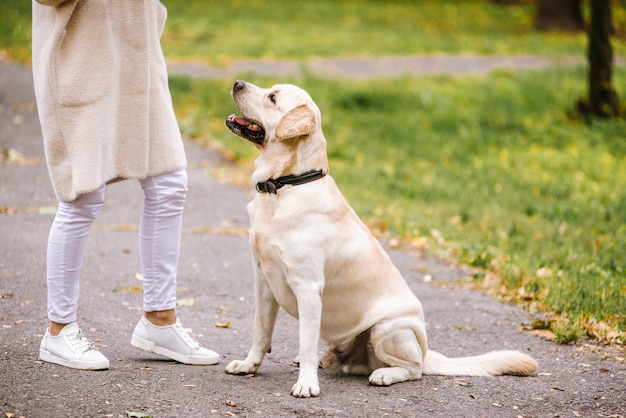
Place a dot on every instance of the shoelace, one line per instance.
(185, 336)
(79, 342)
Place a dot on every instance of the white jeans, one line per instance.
(159, 245)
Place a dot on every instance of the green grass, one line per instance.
(264, 29)
(487, 170)
(15, 30)
(215, 31)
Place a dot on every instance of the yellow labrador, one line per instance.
(317, 260)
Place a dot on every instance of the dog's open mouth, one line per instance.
(245, 128)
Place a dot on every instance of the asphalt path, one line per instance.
(216, 305)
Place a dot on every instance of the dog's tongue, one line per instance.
(244, 122)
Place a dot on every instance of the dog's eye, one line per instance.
(272, 98)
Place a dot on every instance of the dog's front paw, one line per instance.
(241, 367)
(304, 388)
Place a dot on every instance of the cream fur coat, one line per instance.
(102, 92)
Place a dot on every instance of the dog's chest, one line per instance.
(265, 231)
(281, 239)
(272, 266)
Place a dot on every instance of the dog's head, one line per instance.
(284, 123)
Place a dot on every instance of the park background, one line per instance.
(497, 170)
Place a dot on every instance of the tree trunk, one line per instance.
(559, 15)
(603, 99)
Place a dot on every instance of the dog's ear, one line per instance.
(297, 122)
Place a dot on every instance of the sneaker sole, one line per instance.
(151, 347)
(73, 364)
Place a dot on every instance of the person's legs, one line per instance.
(66, 246)
(159, 331)
(63, 342)
(159, 239)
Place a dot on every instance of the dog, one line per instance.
(315, 258)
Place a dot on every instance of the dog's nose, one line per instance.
(239, 85)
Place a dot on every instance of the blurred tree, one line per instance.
(559, 15)
(602, 99)
(566, 15)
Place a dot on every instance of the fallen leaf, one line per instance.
(185, 302)
(462, 382)
(544, 272)
(140, 414)
(11, 155)
(123, 228)
(543, 333)
(223, 325)
(135, 289)
(47, 210)
(465, 328)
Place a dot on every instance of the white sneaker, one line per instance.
(171, 341)
(71, 349)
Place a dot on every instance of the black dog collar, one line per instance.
(272, 185)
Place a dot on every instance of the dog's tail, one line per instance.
(494, 363)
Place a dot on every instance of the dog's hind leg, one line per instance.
(353, 358)
(400, 345)
(265, 313)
